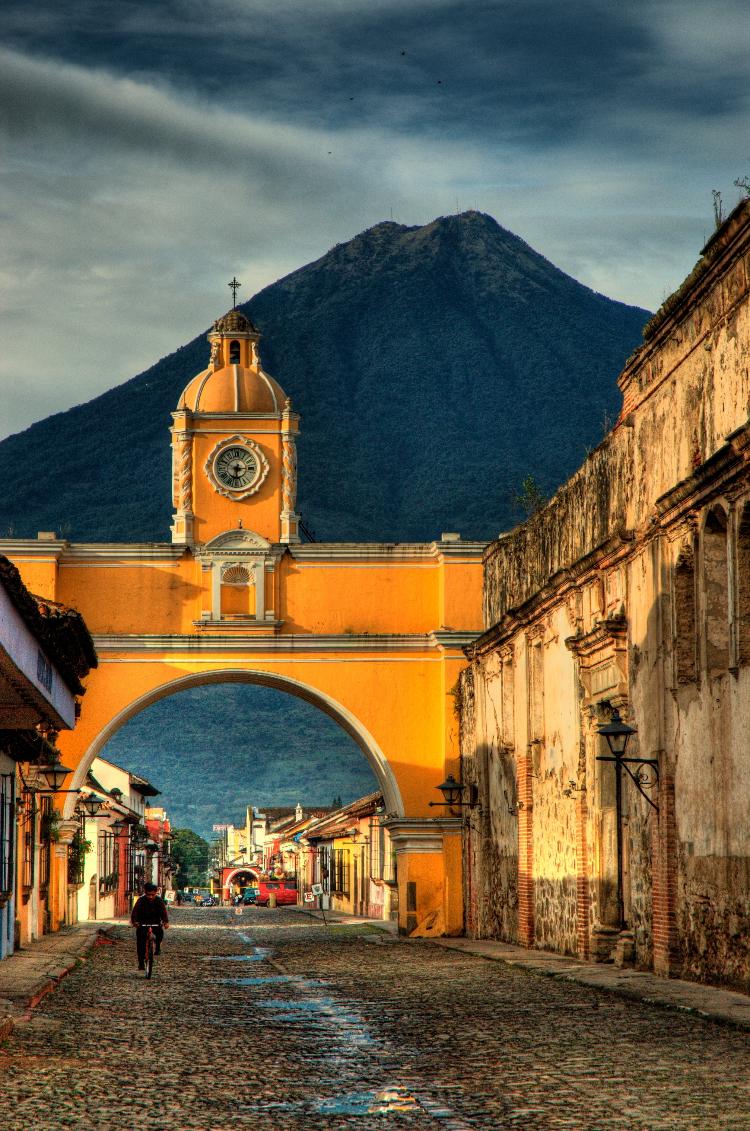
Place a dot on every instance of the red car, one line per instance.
(284, 891)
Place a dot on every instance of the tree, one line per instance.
(530, 498)
(190, 852)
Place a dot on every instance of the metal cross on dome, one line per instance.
(234, 286)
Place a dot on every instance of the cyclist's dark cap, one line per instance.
(150, 887)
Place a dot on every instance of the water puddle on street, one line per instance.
(266, 980)
(382, 1102)
(348, 1034)
(259, 954)
(229, 958)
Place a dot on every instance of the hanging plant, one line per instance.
(50, 826)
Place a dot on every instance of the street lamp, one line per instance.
(617, 734)
(55, 773)
(119, 826)
(91, 805)
(453, 790)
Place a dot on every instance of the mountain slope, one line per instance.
(434, 368)
(214, 750)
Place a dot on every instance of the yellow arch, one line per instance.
(325, 703)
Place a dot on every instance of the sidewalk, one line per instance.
(30, 973)
(726, 1006)
(341, 918)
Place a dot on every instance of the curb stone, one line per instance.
(14, 1006)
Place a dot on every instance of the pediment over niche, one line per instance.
(232, 540)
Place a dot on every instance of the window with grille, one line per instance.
(77, 854)
(340, 882)
(129, 867)
(377, 841)
(6, 831)
(45, 841)
(107, 862)
(28, 841)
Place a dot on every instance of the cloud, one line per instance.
(152, 150)
(538, 69)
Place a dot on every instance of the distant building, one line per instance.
(120, 852)
(350, 856)
(161, 868)
(264, 846)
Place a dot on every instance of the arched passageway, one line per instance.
(344, 718)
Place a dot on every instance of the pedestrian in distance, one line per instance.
(149, 910)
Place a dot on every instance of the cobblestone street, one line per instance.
(272, 1020)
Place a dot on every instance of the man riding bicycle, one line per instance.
(148, 911)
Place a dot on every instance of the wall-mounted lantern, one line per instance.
(55, 773)
(91, 805)
(453, 792)
(617, 734)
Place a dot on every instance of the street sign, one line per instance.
(309, 897)
(317, 889)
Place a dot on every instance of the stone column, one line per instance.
(66, 830)
(182, 480)
(289, 516)
(428, 852)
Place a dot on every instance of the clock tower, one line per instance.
(234, 464)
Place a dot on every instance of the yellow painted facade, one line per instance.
(372, 634)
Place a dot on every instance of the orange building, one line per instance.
(372, 634)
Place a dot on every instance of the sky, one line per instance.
(152, 150)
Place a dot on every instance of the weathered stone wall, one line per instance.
(491, 852)
(631, 588)
(587, 511)
(685, 391)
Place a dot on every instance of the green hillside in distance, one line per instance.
(434, 367)
(214, 750)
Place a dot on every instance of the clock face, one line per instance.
(235, 468)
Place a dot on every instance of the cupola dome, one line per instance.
(234, 380)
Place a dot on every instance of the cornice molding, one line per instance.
(377, 552)
(712, 479)
(551, 593)
(605, 633)
(244, 640)
(421, 834)
(313, 553)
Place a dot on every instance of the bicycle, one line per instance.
(150, 950)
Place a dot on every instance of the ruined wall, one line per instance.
(633, 586)
(587, 511)
(554, 762)
(490, 841)
(684, 392)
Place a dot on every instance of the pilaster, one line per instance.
(664, 890)
(525, 849)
